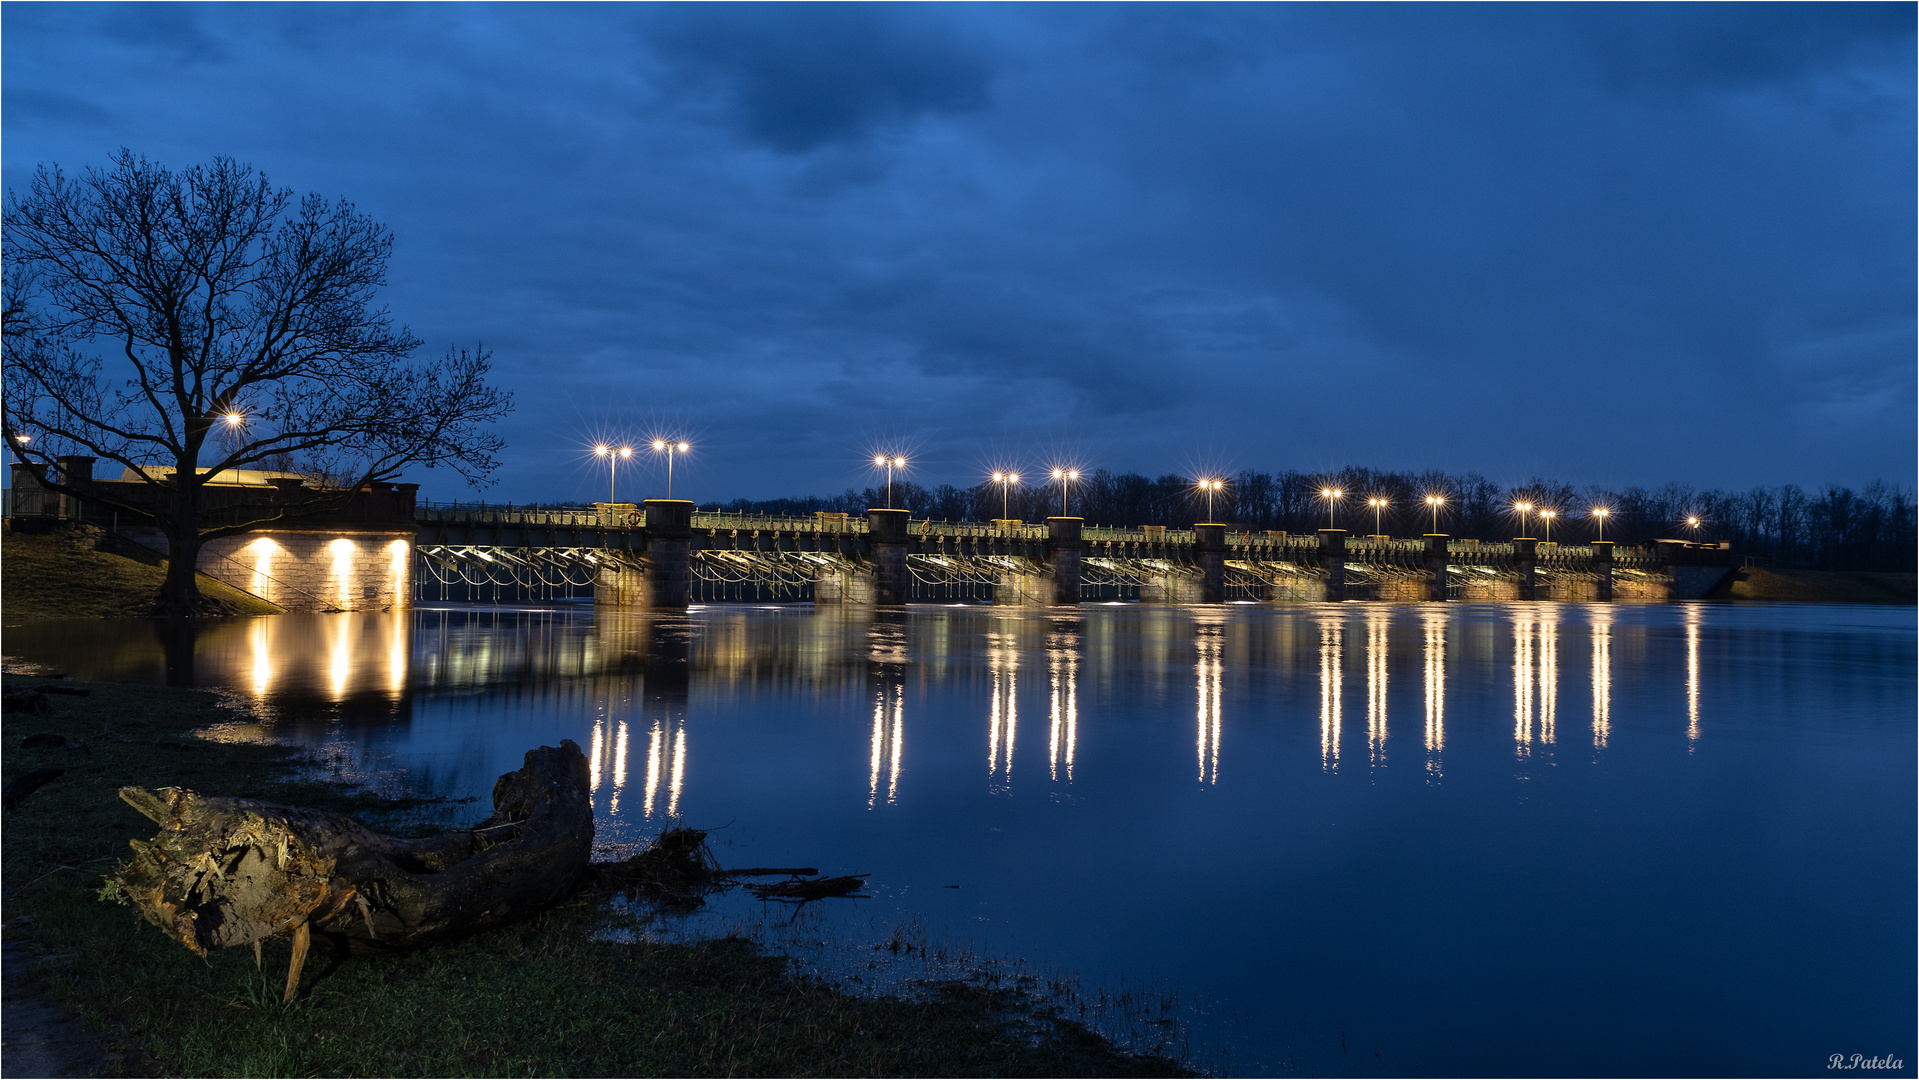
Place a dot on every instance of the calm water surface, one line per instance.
(1500, 839)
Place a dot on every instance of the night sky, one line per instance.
(1607, 244)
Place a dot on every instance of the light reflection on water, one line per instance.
(1752, 762)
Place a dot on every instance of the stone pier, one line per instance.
(1332, 559)
(1209, 551)
(1526, 566)
(663, 578)
(1063, 551)
(886, 545)
(1602, 567)
(1435, 565)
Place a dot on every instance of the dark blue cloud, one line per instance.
(797, 78)
(1613, 243)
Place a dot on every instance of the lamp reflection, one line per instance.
(398, 626)
(886, 658)
(663, 709)
(1549, 677)
(1602, 676)
(1329, 691)
(260, 653)
(1002, 664)
(1435, 694)
(889, 731)
(594, 755)
(1208, 640)
(619, 768)
(1692, 676)
(1062, 658)
(1535, 679)
(339, 637)
(1523, 684)
(1376, 646)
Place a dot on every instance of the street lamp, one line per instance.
(1331, 495)
(1435, 501)
(669, 448)
(889, 464)
(1065, 477)
(1378, 505)
(613, 455)
(1004, 480)
(1549, 515)
(1693, 524)
(1524, 508)
(1211, 488)
(1601, 513)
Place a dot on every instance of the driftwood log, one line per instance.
(226, 872)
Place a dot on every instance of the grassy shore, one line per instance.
(77, 572)
(540, 998)
(1819, 586)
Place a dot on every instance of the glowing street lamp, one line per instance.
(1211, 488)
(1378, 504)
(669, 448)
(1004, 480)
(1600, 514)
(1692, 523)
(1435, 501)
(1065, 477)
(1524, 509)
(1549, 515)
(889, 464)
(1331, 495)
(234, 418)
(613, 456)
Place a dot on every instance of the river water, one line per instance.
(1370, 838)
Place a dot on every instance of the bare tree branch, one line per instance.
(144, 305)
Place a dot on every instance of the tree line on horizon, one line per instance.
(1835, 528)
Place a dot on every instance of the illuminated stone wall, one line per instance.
(310, 571)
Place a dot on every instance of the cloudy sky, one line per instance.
(1612, 244)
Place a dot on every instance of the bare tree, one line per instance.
(158, 318)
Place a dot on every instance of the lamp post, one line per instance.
(1524, 509)
(1065, 477)
(1549, 515)
(669, 448)
(1331, 495)
(1600, 514)
(889, 464)
(1692, 523)
(1435, 501)
(1378, 505)
(1004, 480)
(1211, 488)
(613, 455)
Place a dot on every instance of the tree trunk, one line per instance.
(180, 592)
(225, 872)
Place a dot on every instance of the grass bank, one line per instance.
(78, 572)
(1819, 586)
(541, 998)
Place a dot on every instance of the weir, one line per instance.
(888, 559)
(381, 548)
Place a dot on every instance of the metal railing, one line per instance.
(777, 523)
